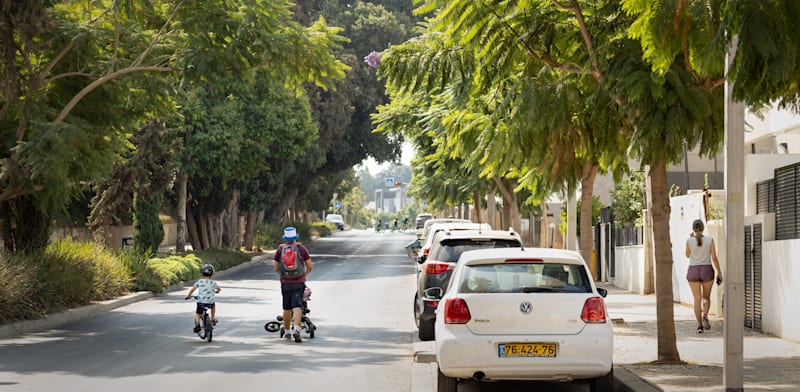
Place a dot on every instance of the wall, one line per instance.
(629, 268)
(781, 289)
(761, 167)
(117, 233)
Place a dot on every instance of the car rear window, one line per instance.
(451, 250)
(524, 278)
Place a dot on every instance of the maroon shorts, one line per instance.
(700, 273)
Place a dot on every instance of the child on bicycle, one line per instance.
(206, 290)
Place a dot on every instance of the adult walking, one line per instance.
(702, 253)
(293, 263)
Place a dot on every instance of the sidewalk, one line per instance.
(770, 363)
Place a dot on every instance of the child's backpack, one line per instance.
(292, 265)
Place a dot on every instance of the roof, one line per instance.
(498, 254)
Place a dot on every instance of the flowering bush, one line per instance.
(373, 59)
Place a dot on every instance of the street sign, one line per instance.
(424, 204)
(389, 181)
(337, 204)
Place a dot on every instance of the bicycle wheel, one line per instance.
(272, 326)
(208, 327)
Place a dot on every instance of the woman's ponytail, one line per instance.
(698, 228)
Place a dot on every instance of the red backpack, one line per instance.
(292, 264)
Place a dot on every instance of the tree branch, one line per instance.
(86, 90)
(66, 75)
(158, 36)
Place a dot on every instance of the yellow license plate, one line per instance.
(527, 350)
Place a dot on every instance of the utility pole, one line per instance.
(733, 360)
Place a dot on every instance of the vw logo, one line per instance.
(525, 307)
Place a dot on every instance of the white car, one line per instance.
(522, 314)
(336, 219)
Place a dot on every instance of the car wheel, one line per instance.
(445, 384)
(426, 331)
(416, 310)
(602, 383)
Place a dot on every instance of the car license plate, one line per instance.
(527, 350)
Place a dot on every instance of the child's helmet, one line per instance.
(207, 269)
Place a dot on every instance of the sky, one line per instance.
(375, 168)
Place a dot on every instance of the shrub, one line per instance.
(138, 265)
(175, 268)
(66, 274)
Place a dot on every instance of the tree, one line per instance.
(66, 63)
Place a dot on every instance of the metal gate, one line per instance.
(752, 276)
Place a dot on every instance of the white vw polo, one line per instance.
(522, 314)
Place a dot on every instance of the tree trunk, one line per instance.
(587, 191)
(491, 209)
(180, 242)
(193, 229)
(250, 221)
(203, 230)
(667, 346)
(476, 201)
(278, 213)
(543, 229)
(511, 218)
(231, 236)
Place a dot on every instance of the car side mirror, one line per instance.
(421, 259)
(603, 292)
(433, 293)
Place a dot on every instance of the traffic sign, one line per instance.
(389, 181)
(337, 204)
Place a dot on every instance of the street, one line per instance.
(362, 284)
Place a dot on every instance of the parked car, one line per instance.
(413, 247)
(336, 219)
(420, 220)
(435, 271)
(427, 242)
(530, 314)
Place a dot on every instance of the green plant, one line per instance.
(597, 205)
(627, 200)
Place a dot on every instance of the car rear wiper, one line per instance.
(538, 289)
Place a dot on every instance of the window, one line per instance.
(451, 250)
(524, 277)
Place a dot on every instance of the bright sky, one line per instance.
(375, 168)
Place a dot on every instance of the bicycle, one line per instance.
(206, 325)
(305, 323)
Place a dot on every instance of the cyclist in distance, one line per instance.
(206, 290)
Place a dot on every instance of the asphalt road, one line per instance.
(363, 285)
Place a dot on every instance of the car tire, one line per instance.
(445, 384)
(426, 330)
(602, 383)
(416, 310)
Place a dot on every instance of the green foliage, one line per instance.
(137, 263)
(148, 232)
(628, 200)
(175, 268)
(66, 274)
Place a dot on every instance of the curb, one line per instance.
(55, 320)
(627, 381)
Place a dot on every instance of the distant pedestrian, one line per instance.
(702, 253)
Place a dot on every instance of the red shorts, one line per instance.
(700, 273)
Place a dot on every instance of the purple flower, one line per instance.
(373, 59)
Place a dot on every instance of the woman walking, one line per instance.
(701, 252)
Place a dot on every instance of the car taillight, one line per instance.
(594, 311)
(436, 268)
(426, 251)
(456, 311)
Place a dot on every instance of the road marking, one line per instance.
(196, 351)
(163, 369)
